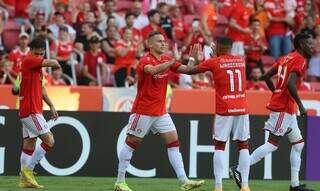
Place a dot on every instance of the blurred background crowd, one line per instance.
(99, 43)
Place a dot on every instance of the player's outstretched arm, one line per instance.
(51, 63)
(45, 97)
(293, 76)
(267, 78)
(150, 69)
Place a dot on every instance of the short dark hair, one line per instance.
(161, 4)
(154, 33)
(128, 14)
(254, 20)
(63, 28)
(224, 41)
(299, 38)
(152, 12)
(38, 43)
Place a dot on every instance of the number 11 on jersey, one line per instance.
(232, 75)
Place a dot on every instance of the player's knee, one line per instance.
(243, 144)
(29, 143)
(48, 139)
(133, 141)
(298, 145)
(173, 144)
(219, 145)
(274, 142)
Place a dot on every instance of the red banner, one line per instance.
(83, 98)
(68, 98)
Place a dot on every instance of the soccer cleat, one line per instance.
(245, 188)
(302, 187)
(121, 187)
(236, 175)
(28, 179)
(191, 184)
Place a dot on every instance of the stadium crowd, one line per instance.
(99, 43)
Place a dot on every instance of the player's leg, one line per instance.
(297, 142)
(26, 153)
(241, 134)
(46, 137)
(165, 126)
(27, 148)
(221, 132)
(277, 125)
(137, 127)
(35, 125)
(271, 145)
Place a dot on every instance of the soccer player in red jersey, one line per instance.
(34, 125)
(149, 112)
(290, 71)
(229, 75)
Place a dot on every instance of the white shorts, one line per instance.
(140, 125)
(239, 126)
(34, 125)
(282, 123)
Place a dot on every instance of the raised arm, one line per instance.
(150, 69)
(51, 63)
(291, 84)
(267, 78)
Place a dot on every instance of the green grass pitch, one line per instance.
(9, 183)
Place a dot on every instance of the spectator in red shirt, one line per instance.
(61, 50)
(17, 55)
(196, 35)
(21, 15)
(56, 78)
(255, 46)
(226, 7)
(279, 43)
(239, 26)
(94, 61)
(255, 83)
(130, 18)
(126, 51)
(154, 21)
(178, 30)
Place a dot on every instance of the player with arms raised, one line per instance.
(149, 112)
(290, 71)
(231, 108)
(34, 125)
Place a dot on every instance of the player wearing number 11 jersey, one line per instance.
(229, 75)
(290, 71)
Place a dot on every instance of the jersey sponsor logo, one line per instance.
(236, 110)
(237, 96)
(160, 76)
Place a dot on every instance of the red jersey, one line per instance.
(151, 96)
(242, 16)
(300, 12)
(128, 59)
(179, 31)
(229, 76)
(63, 49)
(91, 61)
(276, 9)
(16, 56)
(136, 33)
(254, 46)
(148, 29)
(281, 100)
(226, 8)
(31, 86)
